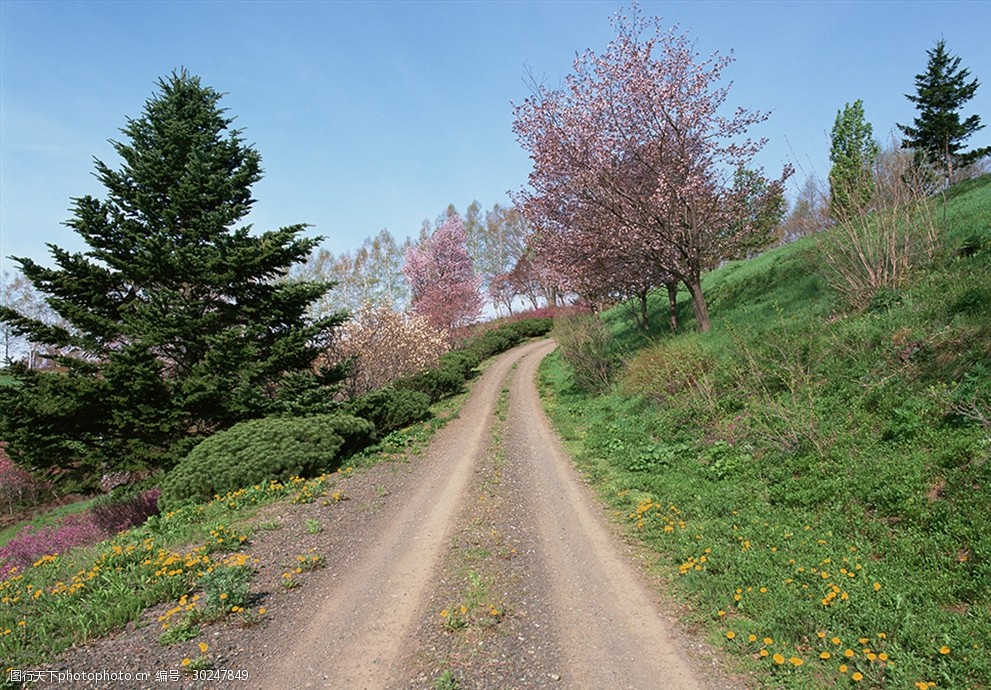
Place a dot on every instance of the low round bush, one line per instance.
(463, 361)
(437, 384)
(262, 450)
(391, 408)
(533, 327)
(493, 342)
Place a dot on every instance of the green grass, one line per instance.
(807, 473)
(46, 519)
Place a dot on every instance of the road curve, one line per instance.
(594, 608)
(358, 636)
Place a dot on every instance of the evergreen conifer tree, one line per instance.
(937, 133)
(178, 324)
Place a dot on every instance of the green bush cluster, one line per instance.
(390, 409)
(444, 380)
(260, 450)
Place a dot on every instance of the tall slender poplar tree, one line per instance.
(853, 153)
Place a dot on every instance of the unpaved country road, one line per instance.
(599, 624)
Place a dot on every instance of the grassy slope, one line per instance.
(811, 476)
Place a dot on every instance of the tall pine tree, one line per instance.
(177, 323)
(937, 134)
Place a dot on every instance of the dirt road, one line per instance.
(563, 605)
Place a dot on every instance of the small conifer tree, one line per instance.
(937, 134)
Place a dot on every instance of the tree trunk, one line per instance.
(673, 304)
(694, 286)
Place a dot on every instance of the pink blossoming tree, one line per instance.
(442, 281)
(634, 157)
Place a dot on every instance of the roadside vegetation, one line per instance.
(813, 475)
(64, 581)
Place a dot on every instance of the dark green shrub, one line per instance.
(437, 384)
(533, 328)
(357, 432)
(261, 450)
(493, 342)
(391, 408)
(462, 361)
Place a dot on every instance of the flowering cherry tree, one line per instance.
(634, 157)
(443, 285)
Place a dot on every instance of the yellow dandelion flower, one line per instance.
(857, 676)
(825, 655)
(796, 661)
(203, 647)
(768, 640)
(835, 640)
(187, 661)
(944, 650)
(730, 634)
(751, 637)
(778, 659)
(843, 668)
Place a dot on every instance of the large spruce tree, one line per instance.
(178, 322)
(937, 134)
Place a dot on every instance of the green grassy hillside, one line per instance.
(815, 478)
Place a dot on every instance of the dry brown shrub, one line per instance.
(669, 370)
(879, 245)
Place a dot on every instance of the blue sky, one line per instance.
(372, 115)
